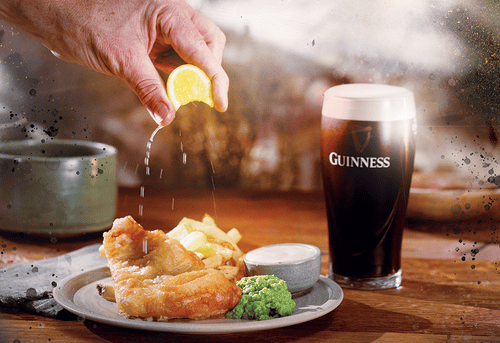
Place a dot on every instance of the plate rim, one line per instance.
(64, 297)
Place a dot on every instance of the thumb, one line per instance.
(146, 82)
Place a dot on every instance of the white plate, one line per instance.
(78, 294)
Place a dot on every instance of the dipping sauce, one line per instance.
(299, 265)
(287, 253)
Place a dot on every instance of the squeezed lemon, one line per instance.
(188, 83)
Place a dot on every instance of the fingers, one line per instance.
(200, 45)
(216, 41)
(168, 61)
(211, 34)
(143, 78)
(220, 82)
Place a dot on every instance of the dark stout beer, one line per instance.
(367, 167)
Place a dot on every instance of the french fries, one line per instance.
(210, 243)
(106, 291)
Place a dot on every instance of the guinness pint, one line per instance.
(367, 151)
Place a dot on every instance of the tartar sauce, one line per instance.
(286, 253)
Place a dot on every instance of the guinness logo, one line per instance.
(361, 136)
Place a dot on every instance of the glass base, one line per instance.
(368, 283)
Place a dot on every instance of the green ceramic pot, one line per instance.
(61, 188)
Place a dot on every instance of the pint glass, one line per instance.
(367, 153)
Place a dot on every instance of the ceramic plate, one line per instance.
(78, 294)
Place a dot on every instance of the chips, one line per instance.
(210, 243)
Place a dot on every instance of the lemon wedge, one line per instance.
(188, 83)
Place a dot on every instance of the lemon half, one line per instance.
(188, 83)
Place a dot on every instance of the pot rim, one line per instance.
(100, 150)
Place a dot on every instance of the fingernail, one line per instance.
(222, 106)
(161, 115)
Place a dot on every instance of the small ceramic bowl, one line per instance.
(60, 188)
(299, 265)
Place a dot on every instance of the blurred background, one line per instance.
(280, 57)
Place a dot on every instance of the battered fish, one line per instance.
(156, 278)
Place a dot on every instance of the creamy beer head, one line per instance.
(369, 102)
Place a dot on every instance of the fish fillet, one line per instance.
(156, 278)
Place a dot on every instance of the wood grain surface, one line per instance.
(450, 290)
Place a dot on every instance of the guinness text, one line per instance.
(359, 162)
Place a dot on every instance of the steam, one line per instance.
(345, 34)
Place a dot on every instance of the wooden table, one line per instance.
(448, 294)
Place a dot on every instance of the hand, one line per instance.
(128, 39)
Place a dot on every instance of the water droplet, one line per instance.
(456, 209)
(31, 292)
